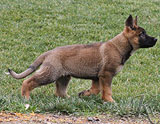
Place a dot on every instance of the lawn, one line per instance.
(30, 27)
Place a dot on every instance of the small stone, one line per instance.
(97, 119)
(90, 119)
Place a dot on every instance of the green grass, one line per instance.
(28, 28)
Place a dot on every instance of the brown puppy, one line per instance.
(99, 62)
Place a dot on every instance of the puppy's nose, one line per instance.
(155, 39)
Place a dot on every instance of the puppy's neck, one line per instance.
(123, 46)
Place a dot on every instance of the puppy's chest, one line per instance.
(119, 68)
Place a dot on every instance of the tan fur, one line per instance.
(99, 62)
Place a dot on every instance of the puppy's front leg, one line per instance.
(105, 81)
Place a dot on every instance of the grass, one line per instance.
(28, 28)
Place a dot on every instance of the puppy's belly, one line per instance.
(84, 73)
(86, 77)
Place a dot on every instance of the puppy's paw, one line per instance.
(67, 96)
(108, 101)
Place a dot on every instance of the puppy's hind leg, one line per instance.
(27, 86)
(42, 77)
(61, 86)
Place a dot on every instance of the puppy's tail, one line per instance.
(31, 68)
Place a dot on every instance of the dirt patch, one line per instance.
(32, 118)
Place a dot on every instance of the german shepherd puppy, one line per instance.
(99, 62)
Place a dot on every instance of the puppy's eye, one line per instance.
(142, 34)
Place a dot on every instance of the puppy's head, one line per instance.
(136, 35)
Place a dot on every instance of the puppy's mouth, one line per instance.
(148, 44)
(153, 42)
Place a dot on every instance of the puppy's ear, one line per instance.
(129, 22)
(135, 21)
